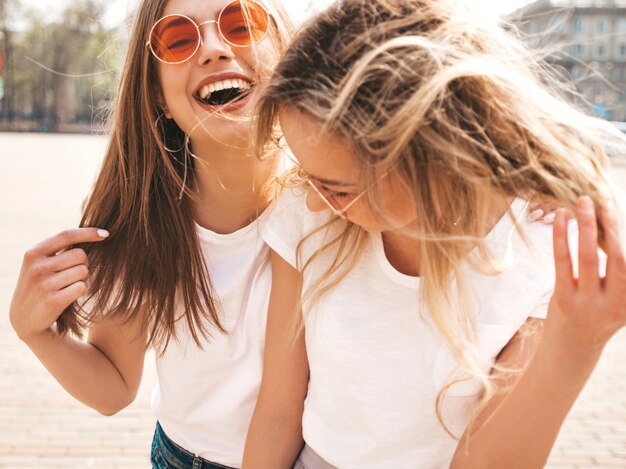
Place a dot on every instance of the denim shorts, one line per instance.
(165, 454)
(309, 459)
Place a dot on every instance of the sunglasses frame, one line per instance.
(337, 212)
(282, 145)
(199, 25)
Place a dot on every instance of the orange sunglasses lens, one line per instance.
(243, 23)
(174, 38)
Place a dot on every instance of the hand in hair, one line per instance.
(518, 427)
(543, 208)
(586, 311)
(53, 275)
(103, 372)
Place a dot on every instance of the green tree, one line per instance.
(6, 43)
(58, 75)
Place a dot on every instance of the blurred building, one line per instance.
(587, 40)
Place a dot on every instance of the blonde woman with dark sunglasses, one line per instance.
(176, 261)
(435, 327)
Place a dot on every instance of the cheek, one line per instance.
(171, 85)
(314, 202)
(262, 58)
(173, 80)
(398, 204)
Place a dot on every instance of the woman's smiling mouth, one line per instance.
(224, 92)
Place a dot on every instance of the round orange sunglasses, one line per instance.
(174, 39)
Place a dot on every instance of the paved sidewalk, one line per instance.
(43, 181)
(42, 184)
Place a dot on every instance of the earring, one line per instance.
(156, 125)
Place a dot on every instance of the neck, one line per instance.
(403, 251)
(230, 186)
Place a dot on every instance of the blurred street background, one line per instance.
(58, 66)
(59, 58)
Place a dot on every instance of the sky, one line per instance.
(118, 9)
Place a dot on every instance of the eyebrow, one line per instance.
(178, 21)
(331, 182)
(197, 20)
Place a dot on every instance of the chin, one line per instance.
(370, 229)
(230, 127)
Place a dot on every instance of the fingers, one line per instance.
(562, 258)
(61, 241)
(588, 264)
(549, 218)
(69, 294)
(68, 259)
(616, 262)
(543, 208)
(67, 277)
(535, 213)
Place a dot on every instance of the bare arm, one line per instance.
(275, 435)
(517, 429)
(104, 372)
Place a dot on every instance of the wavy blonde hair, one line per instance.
(463, 112)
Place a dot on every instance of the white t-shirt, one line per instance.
(205, 398)
(377, 365)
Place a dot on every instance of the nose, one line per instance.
(315, 203)
(213, 48)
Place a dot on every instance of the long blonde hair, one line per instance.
(142, 196)
(463, 112)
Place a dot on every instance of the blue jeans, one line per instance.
(309, 459)
(166, 454)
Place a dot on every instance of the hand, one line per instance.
(52, 277)
(587, 311)
(543, 208)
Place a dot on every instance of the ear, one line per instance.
(160, 102)
(163, 110)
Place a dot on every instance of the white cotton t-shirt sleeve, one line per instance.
(538, 261)
(289, 222)
(534, 264)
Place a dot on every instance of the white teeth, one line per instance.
(206, 91)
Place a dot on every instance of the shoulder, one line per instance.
(291, 206)
(289, 222)
(522, 242)
(518, 276)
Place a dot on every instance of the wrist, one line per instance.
(575, 339)
(570, 355)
